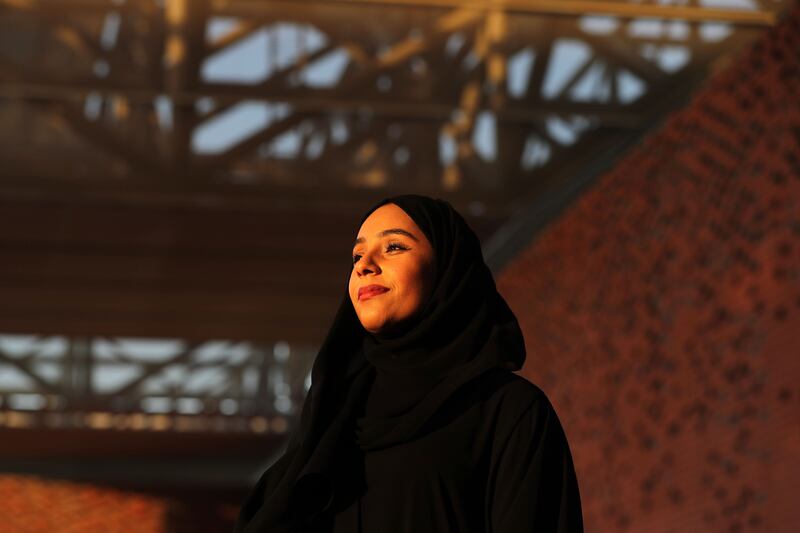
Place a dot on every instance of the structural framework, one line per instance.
(177, 172)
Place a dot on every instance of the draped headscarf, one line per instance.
(371, 391)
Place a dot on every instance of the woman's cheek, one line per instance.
(352, 290)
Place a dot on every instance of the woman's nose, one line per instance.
(365, 264)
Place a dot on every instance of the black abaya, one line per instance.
(497, 461)
(426, 429)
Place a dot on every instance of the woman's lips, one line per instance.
(370, 291)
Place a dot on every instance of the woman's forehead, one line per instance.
(385, 217)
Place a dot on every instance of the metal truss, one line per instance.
(487, 97)
(490, 101)
(151, 384)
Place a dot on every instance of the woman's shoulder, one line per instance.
(508, 387)
(517, 417)
(517, 387)
(510, 397)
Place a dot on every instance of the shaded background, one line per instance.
(180, 184)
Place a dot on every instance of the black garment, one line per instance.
(414, 398)
(496, 460)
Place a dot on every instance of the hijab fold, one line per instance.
(371, 392)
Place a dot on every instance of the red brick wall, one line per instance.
(662, 312)
(32, 505)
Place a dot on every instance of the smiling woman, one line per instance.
(393, 271)
(415, 421)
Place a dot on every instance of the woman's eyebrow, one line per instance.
(389, 232)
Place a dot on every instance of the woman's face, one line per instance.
(393, 270)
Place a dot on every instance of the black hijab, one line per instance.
(373, 391)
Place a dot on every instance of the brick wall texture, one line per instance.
(661, 312)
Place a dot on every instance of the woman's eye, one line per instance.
(389, 247)
(395, 246)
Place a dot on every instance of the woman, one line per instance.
(415, 421)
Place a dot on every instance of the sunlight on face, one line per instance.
(393, 270)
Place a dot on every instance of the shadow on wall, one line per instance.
(198, 515)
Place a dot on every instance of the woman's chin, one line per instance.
(379, 328)
(372, 325)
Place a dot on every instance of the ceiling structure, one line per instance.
(155, 152)
(475, 100)
(192, 171)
